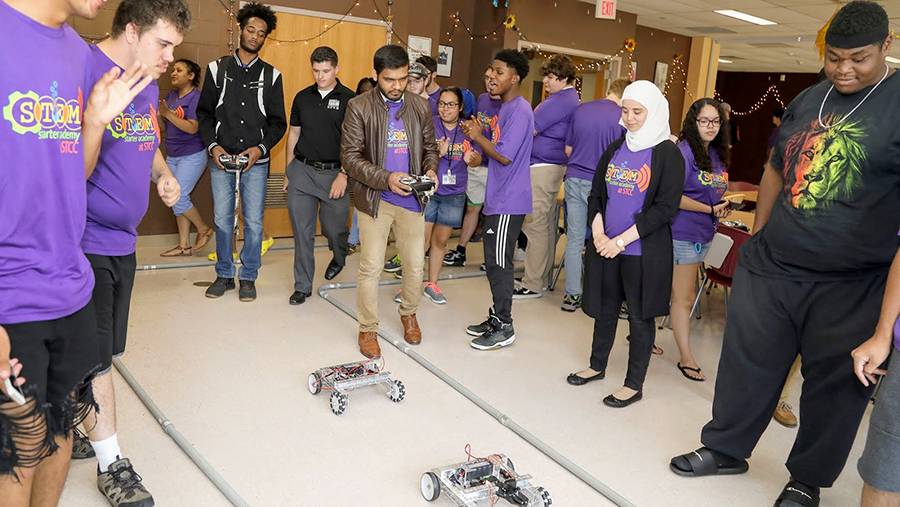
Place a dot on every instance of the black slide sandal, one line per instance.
(798, 493)
(703, 463)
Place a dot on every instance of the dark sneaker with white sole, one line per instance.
(571, 303)
(502, 334)
(484, 327)
(523, 293)
(121, 485)
(218, 288)
(393, 265)
(455, 258)
(81, 446)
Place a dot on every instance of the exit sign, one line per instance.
(606, 9)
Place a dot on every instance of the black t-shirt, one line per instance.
(320, 119)
(838, 214)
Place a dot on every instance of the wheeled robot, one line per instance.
(482, 482)
(343, 378)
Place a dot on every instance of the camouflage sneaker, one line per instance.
(81, 446)
(122, 486)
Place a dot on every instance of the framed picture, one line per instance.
(418, 46)
(444, 60)
(659, 78)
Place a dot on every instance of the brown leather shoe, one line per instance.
(368, 344)
(784, 415)
(411, 332)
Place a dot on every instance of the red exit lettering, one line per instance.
(609, 9)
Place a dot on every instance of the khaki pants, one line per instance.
(409, 231)
(786, 391)
(540, 226)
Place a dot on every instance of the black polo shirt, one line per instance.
(320, 119)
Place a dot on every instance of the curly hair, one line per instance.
(691, 133)
(858, 17)
(560, 66)
(257, 10)
(515, 60)
(144, 14)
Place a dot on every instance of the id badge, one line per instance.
(448, 179)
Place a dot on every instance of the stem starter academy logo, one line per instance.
(50, 117)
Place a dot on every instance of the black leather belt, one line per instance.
(320, 166)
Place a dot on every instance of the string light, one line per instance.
(773, 90)
(472, 35)
(677, 66)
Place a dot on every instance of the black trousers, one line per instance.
(500, 233)
(771, 321)
(622, 277)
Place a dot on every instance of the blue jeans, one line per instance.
(354, 230)
(253, 204)
(577, 192)
(187, 171)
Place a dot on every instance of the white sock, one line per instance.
(107, 451)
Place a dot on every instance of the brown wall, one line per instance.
(658, 46)
(742, 90)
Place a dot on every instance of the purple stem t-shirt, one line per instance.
(178, 142)
(453, 173)
(701, 186)
(594, 126)
(397, 157)
(509, 186)
(486, 111)
(118, 191)
(627, 180)
(433, 99)
(43, 273)
(551, 121)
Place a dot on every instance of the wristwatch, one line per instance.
(620, 243)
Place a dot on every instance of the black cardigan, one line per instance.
(661, 203)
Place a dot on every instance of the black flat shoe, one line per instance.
(612, 401)
(575, 380)
(332, 270)
(298, 298)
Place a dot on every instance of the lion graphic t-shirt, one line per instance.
(118, 190)
(43, 273)
(838, 213)
(627, 179)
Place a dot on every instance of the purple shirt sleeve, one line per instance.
(510, 137)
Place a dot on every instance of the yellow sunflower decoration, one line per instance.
(511, 22)
(630, 45)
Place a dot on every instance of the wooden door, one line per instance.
(355, 44)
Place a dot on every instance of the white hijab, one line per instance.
(656, 128)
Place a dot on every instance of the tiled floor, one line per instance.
(232, 378)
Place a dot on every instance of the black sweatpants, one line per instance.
(770, 321)
(622, 277)
(500, 233)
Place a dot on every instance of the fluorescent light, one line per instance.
(745, 17)
(724, 61)
(891, 59)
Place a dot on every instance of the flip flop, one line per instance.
(657, 351)
(203, 240)
(685, 369)
(702, 462)
(178, 251)
(798, 493)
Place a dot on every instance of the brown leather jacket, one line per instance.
(364, 144)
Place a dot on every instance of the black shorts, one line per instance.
(113, 283)
(58, 359)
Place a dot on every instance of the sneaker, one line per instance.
(482, 267)
(393, 265)
(785, 416)
(398, 298)
(81, 446)
(433, 293)
(501, 335)
(247, 292)
(455, 258)
(523, 293)
(398, 274)
(571, 303)
(121, 485)
(623, 312)
(484, 327)
(218, 288)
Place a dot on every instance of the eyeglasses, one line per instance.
(705, 122)
(451, 105)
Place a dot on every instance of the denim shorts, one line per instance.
(686, 252)
(446, 210)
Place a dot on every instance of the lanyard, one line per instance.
(452, 144)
